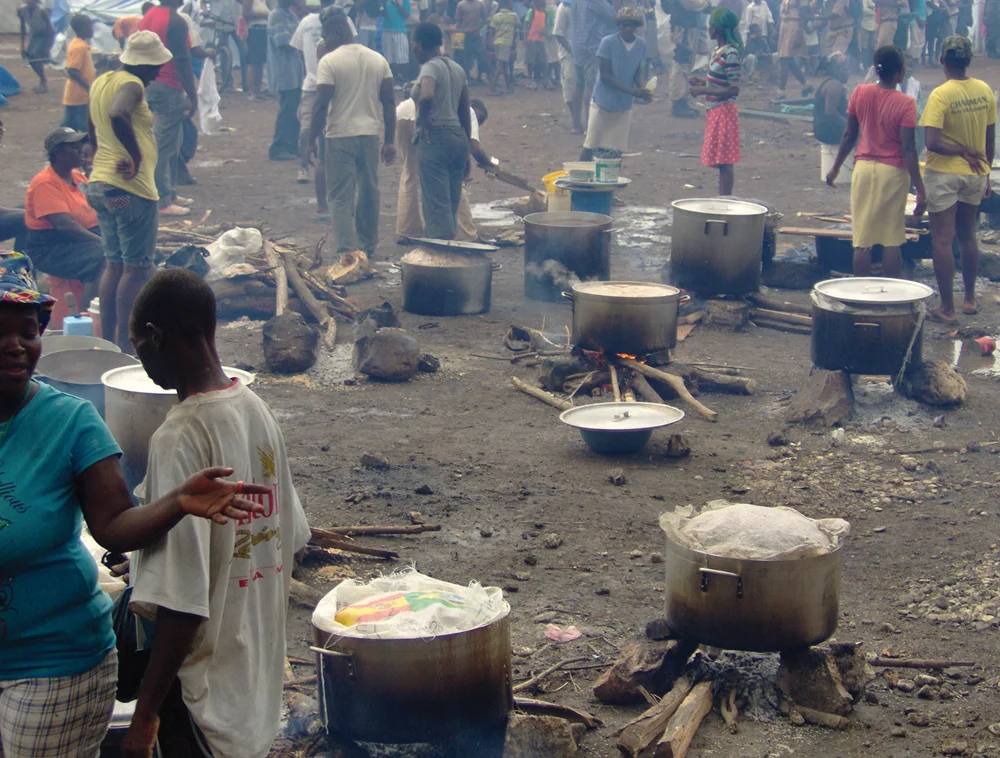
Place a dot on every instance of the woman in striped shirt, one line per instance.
(722, 124)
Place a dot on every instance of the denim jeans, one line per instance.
(352, 192)
(169, 107)
(442, 164)
(75, 117)
(128, 224)
(475, 52)
(12, 226)
(286, 125)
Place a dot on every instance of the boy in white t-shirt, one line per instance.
(218, 596)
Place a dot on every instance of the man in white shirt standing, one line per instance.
(758, 12)
(308, 39)
(218, 596)
(572, 93)
(352, 81)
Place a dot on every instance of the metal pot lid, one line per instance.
(621, 417)
(874, 290)
(630, 290)
(423, 256)
(135, 379)
(719, 206)
(471, 247)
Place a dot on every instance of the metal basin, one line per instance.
(78, 372)
(57, 342)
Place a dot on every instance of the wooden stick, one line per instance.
(639, 733)
(529, 683)
(649, 395)
(414, 529)
(818, 718)
(204, 219)
(683, 725)
(918, 663)
(787, 318)
(781, 326)
(675, 382)
(332, 534)
(730, 711)
(350, 547)
(280, 278)
(764, 301)
(628, 396)
(320, 313)
(615, 390)
(543, 708)
(542, 395)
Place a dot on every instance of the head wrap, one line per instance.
(726, 21)
(17, 285)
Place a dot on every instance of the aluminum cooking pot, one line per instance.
(444, 283)
(635, 318)
(415, 690)
(562, 248)
(744, 604)
(716, 245)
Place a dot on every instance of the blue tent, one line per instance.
(8, 85)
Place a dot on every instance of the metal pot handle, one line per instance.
(683, 299)
(345, 658)
(567, 295)
(395, 267)
(867, 325)
(725, 225)
(496, 266)
(707, 572)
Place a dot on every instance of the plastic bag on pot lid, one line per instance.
(742, 530)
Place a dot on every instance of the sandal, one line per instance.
(970, 311)
(934, 314)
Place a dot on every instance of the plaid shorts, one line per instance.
(59, 716)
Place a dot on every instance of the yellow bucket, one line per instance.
(558, 199)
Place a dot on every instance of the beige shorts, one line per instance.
(944, 190)
(305, 113)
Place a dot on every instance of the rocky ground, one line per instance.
(502, 476)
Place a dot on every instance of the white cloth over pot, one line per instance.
(467, 608)
(741, 530)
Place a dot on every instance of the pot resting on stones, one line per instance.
(446, 283)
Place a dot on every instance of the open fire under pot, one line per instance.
(562, 248)
(868, 325)
(453, 688)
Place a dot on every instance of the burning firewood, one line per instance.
(675, 382)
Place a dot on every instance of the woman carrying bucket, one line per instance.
(722, 124)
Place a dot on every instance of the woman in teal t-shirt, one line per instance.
(59, 465)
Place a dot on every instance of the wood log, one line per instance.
(410, 529)
(542, 395)
(818, 718)
(683, 725)
(639, 733)
(764, 301)
(332, 534)
(780, 326)
(341, 304)
(675, 382)
(649, 395)
(643, 663)
(628, 396)
(350, 547)
(280, 278)
(918, 663)
(709, 380)
(320, 313)
(615, 389)
(788, 318)
(730, 711)
(544, 708)
(303, 594)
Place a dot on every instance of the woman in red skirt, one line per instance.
(722, 123)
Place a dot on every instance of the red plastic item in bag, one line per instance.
(987, 345)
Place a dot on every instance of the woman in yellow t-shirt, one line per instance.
(960, 120)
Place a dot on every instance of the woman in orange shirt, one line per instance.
(63, 235)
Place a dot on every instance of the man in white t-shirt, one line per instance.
(308, 39)
(572, 93)
(218, 596)
(409, 219)
(352, 82)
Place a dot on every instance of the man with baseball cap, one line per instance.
(63, 237)
(122, 186)
(960, 123)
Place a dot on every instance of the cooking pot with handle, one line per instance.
(636, 318)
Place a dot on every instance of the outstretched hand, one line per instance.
(206, 495)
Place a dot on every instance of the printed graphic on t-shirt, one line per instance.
(247, 538)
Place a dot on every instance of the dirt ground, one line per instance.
(920, 568)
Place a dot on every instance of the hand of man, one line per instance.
(388, 154)
(831, 178)
(976, 161)
(312, 152)
(696, 81)
(127, 169)
(468, 167)
(140, 738)
(921, 206)
(644, 96)
(205, 495)
(989, 189)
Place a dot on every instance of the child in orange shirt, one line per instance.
(80, 73)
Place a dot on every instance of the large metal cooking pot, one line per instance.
(79, 372)
(868, 325)
(134, 409)
(443, 283)
(625, 317)
(716, 245)
(401, 690)
(744, 604)
(562, 248)
(54, 343)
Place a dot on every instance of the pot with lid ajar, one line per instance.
(716, 245)
(868, 325)
(635, 318)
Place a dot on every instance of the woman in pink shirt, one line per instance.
(881, 121)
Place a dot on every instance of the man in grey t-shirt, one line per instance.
(443, 129)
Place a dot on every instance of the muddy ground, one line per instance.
(920, 569)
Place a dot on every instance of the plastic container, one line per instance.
(557, 199)
(588, 167)
(590, 201)
(59, 288)
(827, 157)
(78, 326)
(607, 170)
(94, 311)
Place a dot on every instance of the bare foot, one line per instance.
(970, 307)
(936, 314)
(41, 89)
(175, 210)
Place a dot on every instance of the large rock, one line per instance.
(989, 265)
(811, 678)
(289, 344)
(391, 355)
(827, 396)
(933, 383)
(644, 663)
(540, 737)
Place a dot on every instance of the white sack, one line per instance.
(208, 99)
